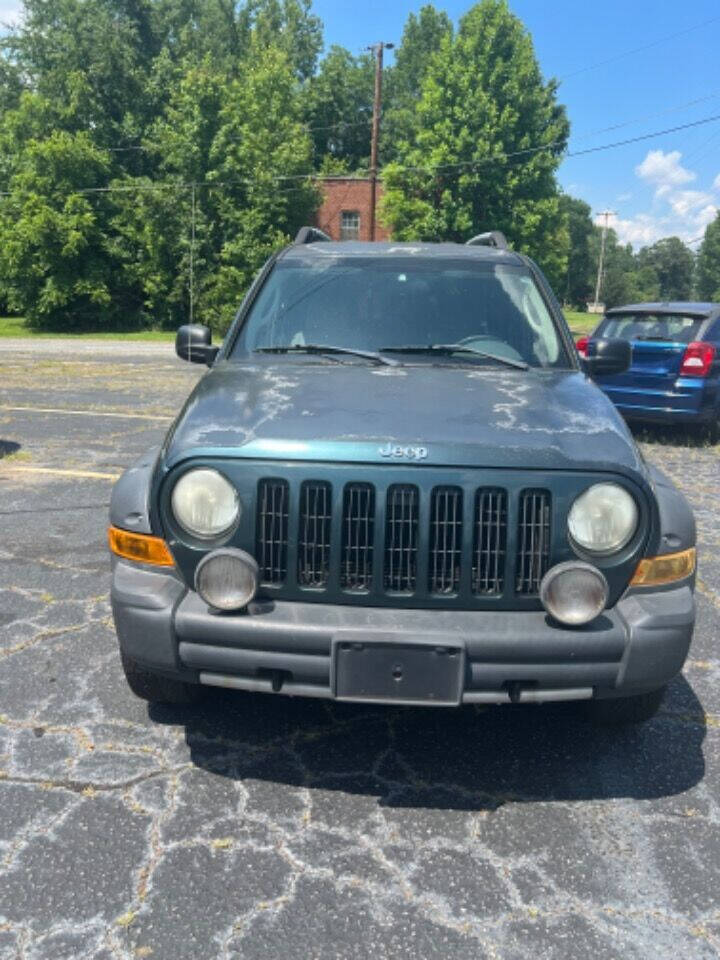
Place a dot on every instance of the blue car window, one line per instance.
(651, 326)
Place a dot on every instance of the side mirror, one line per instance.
(193, 342)
(606, 357)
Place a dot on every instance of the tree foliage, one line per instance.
(577, 289)
(672, 263)
(708, 263)
(338, 109)
(141, 136)
(154, 152)
(422, 39)
(474, 162)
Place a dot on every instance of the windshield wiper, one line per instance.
(319, 349)
(447, 349)
(650, 337)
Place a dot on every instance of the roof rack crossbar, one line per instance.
(311, 235)
(493, 238)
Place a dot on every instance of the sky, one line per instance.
(669, 185)
(627, 68)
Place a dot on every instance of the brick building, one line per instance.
(345, 211)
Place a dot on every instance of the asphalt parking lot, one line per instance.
(260, 826)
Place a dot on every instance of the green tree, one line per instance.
(339, 101)
(708, 263)
(422, 38)
(95, 54)
(147, 97)
(672, 263)
(624, 279)
(260, 160)
(490, 135)
(54, 264)
(233, 139)
(578, 288)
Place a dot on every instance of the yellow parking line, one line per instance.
(87, 413)
(50, 471)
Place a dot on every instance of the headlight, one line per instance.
(204, 503)
(603, 519)
(227, 579)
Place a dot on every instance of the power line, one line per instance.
(651, 116)
(340, 125)
(559, 143)
(439, 168)
(629, 53)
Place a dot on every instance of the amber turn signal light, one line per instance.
(139, 547)
(656, 571)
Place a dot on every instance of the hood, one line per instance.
(436, 415)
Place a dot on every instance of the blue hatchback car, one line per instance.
(675, 372)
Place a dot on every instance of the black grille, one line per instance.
(401, 529)
(314, 534)
(445, 539)
(533, 553)
(490, 542)
(452, 542)
(272, 530)
(357, 536)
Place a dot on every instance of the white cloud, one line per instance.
(664, 170)
(676, 210)
(684, 202)
(639, 231)
(10, 12)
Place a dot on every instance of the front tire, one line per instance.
(622, 711)
(155, 688)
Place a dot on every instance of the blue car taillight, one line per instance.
(697, 360)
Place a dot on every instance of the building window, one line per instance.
(349, 225)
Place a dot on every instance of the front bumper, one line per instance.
(286, 647)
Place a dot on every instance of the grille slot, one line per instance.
(490, 542)
(272, 530)
(401, 535)
(533, 540)
(314, 533)
(358, 531)
(445, 539)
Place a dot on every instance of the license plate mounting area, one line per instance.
(385, 670)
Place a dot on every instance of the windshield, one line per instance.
(372, 303)
(651, 326)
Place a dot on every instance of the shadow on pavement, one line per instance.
(673, 434)
(454, 759)
(7, 447)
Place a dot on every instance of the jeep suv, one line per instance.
(398, 483)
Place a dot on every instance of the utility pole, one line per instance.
(377, 49)
(606, 214)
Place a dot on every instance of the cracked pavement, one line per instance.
(262, 826)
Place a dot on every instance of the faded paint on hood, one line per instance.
(465, 416)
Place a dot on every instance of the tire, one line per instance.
(620, 711)
(155, 688)
(713, 432)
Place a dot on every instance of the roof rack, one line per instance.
(493, 238)
(311, 235)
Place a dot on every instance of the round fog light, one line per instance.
(574, 593)
(227, 579)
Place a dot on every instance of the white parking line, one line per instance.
(87, 413)
(50, 471)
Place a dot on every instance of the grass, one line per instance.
(579, 323)
(16, 327)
